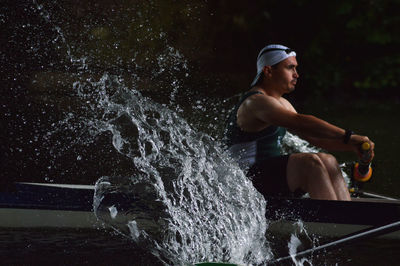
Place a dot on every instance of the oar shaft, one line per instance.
(373, 195)
(382, 230)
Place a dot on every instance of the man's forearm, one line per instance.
(313, 127)
(330, 144)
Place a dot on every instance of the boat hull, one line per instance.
(37, 218)
(324, 230)
(331, 218)
(37, 205)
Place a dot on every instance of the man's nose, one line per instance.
(296, 74)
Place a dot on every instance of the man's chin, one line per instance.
(291, 88)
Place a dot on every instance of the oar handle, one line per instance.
(365, 146)
(362, 170)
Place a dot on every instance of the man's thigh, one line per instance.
(300, 166)
(269, 176)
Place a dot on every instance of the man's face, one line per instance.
(285, 74)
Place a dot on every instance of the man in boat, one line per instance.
(260, 120)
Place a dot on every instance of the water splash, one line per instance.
(184, 200)
(295, 242)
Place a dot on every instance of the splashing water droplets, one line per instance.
(189, 179)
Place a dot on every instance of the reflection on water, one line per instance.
(85, 247)
(70, 247)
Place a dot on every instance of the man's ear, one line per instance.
(267, 70)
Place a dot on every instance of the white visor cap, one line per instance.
(270, 55)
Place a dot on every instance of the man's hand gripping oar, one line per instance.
(362, 170)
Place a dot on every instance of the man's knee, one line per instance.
(312, 161)
(304, 170)
(328, 159)
(303, 163)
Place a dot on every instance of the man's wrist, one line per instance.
(347, 136)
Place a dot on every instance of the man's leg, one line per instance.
(335, 174)
(308, 172)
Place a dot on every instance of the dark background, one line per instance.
(348, 52)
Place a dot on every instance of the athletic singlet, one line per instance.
(251, 147)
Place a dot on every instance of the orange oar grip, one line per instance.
(362, 177)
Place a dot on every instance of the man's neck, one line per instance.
(269, 90)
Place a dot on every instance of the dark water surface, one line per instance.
(94, 247)
(70, 247)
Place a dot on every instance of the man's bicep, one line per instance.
(288, 105)
(274, 113)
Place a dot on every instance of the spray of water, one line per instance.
(187, 200)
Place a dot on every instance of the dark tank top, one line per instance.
(251, 147)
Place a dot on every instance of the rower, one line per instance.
(259, 122)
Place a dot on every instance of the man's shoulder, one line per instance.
(259, 96)
(267, 102)
(287, 104)
(265, 99)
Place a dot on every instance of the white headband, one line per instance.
(269, 56)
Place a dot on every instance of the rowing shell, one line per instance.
(40, 205)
